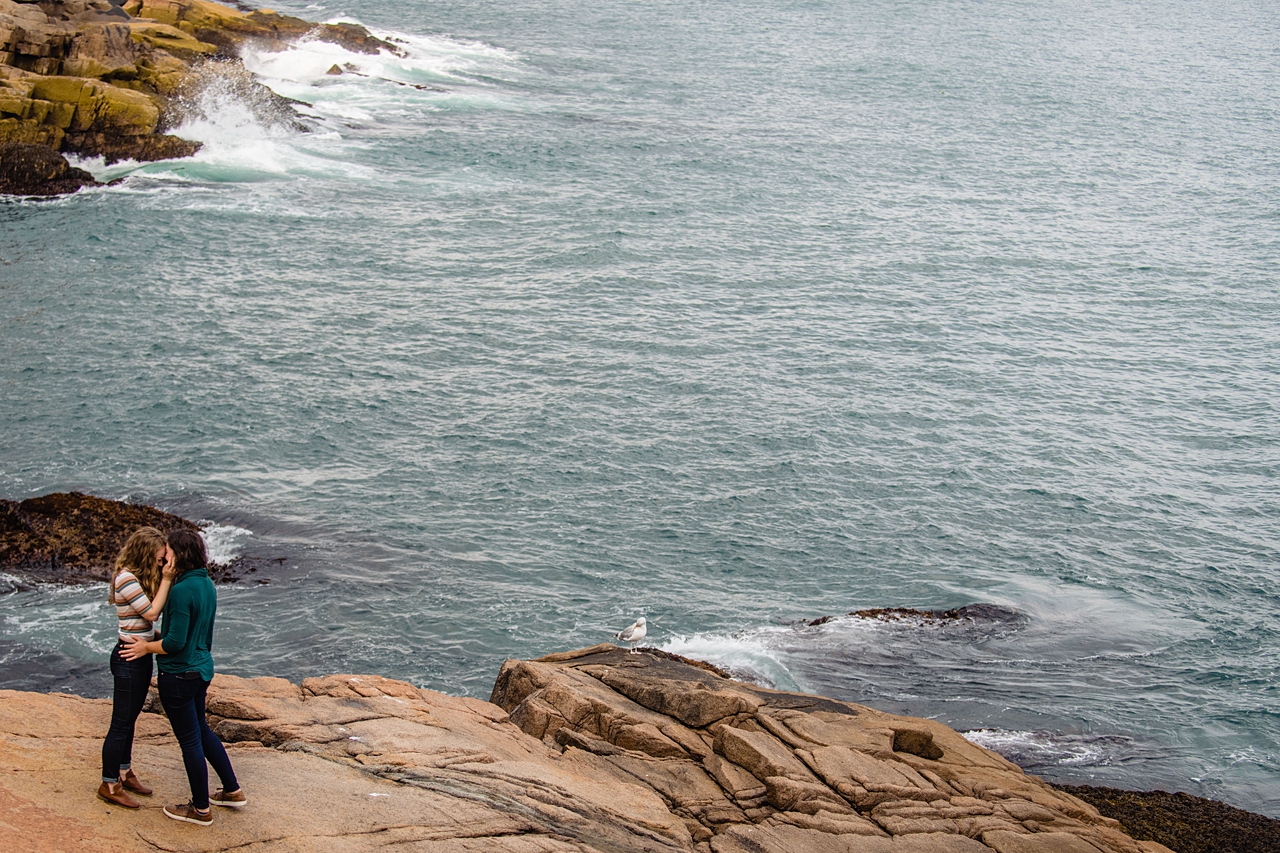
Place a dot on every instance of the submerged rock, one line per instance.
(985, 613)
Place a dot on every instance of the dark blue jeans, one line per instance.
(132, 681)
(183, 700)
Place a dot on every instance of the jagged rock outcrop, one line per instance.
(601, 751)
(92, 78)
(356, 763)
(750, 769)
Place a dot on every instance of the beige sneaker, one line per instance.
(235, 800)
(187, 812)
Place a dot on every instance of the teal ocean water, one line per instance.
(730, 314)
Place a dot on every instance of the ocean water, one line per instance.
(731, 315)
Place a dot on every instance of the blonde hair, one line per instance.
(139, 556)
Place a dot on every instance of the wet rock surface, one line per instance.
(38, 170)
(592, 750)
(1184, 822)
(69, 537)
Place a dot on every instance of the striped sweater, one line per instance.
(131, 602)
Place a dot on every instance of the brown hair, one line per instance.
(188, 550)
(139, 556)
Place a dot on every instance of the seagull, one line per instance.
(632, 635)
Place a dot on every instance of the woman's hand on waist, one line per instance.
(133, 648)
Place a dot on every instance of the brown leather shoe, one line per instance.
(235, 800)
(187, 812)
(132, 783)
(114, 792)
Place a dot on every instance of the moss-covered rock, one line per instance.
(100, 107)
(190, 15)
(160, 73)
(29, 132)
(103, 50)
(171, 39)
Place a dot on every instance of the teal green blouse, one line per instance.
(187, 634)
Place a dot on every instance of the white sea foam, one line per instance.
(224, 542)
(244, 138)
(1041, 749)
(753, 655)
(78, 614)
(376, 86)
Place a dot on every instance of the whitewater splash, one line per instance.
(755, 655)
(64, 618)
(1044, 751)
(761, 654)
(425, 63)
(306, 110)
(924, 663)
(223, 542)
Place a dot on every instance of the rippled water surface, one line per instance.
(733, 315)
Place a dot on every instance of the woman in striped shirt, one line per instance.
(139, 586)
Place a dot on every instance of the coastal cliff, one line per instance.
(104, 78)
(591, 750)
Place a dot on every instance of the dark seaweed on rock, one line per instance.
(38, 170)
(1183, 822)
(70, 537)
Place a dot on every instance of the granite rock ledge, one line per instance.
(592, 750)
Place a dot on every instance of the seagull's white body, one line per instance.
(633, 634)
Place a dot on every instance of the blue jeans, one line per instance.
(183, 700)
(132, 681)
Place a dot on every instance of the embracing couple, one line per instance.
(154, 576)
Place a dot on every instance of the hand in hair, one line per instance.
(169, 570)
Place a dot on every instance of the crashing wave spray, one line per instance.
(227, 95)
(246, 129)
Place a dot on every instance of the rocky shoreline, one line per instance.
(590, 750)
(593, 749)
(109, 78)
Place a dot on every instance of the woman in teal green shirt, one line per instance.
(185, 659)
